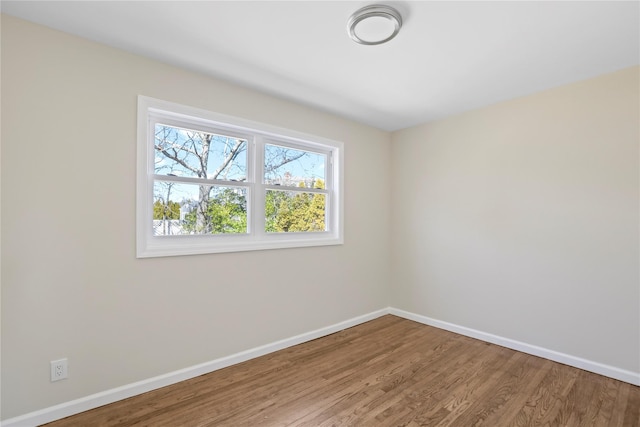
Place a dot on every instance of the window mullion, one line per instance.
(329, 216)
(258, 213)
(328, 179)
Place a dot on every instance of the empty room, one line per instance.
(320, 213)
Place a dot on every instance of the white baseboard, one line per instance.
(577, 362)
(93, 401)
(73, 407)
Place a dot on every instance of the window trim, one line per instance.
(257, 135)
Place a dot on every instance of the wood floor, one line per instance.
(387, 372)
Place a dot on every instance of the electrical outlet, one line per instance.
(59, 369)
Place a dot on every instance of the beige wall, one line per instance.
(71, 285)
(521, 220)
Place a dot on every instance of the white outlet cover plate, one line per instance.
(59, 369)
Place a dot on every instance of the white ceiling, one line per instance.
(449, 56)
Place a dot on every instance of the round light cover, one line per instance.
(375, 24)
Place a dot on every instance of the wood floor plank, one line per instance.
(544, 403)
(632, 412)
(442, 396)
(604, 402)
(493, 392)
(394, 384)
(516, 392)
(573, 410)
(386, 372)
(622, 400)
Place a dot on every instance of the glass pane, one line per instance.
(185, 152)
(293, 168)
(291, 211)
(186, 209)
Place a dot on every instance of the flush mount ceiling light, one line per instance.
(375, 24)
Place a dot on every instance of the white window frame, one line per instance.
(257, 134)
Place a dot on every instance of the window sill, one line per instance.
(165, 246)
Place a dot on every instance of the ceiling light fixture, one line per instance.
(375, 24)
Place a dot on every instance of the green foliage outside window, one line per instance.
(226, 212)
(288, 211)
(170, 210)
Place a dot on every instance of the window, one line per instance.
(211, 183)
